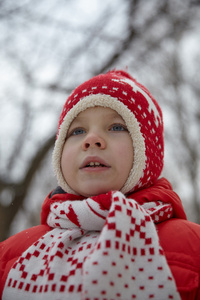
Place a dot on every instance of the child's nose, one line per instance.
(93, 140)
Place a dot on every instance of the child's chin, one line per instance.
(97, 187)
(96, 192)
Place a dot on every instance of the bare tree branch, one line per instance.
(20, 189)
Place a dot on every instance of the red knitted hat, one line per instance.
(141, 113)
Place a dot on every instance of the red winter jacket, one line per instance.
(179, 238)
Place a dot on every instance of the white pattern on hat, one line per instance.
(136, 89)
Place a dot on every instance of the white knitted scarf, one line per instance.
(95, 253)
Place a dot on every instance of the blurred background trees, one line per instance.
(48, 47)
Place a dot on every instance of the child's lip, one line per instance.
(97, 159)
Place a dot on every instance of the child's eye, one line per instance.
(77, 131)
(118, 127)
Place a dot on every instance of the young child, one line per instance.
(111, 229)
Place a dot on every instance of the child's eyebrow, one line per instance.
(114, 115)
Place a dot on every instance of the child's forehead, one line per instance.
(106, 112)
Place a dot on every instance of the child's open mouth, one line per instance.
(94, 165)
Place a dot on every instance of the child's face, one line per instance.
(98, 152)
